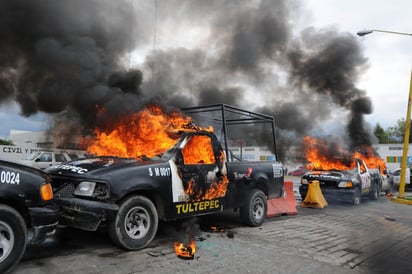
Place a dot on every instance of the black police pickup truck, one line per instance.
(25, 204)
(131, 195)
(345, 185)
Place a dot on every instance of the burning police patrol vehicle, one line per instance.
(347, 177)
(156, 166)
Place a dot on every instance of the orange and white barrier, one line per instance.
(285, 205)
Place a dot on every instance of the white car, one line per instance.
(44, 159)
(397, 177)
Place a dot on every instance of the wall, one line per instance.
(392, 155)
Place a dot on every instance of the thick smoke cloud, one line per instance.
(61, 55)
(72, 58)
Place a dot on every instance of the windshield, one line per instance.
(32, 156)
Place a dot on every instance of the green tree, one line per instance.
(6, 142)
(381, 134)
(396, 133)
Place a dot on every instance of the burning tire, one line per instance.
(136, 223)
(13, 237)
(254, 212)
(356, 199)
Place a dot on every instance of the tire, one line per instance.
(254, 212)
(375, 192)
(136, 223)
(13, 238)
(356, 199)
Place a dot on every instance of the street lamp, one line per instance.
(366, 32)
(408, 116)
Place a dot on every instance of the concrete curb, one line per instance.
(402, 200)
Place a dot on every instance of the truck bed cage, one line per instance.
(226, 115)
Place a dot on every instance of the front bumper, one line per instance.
(330, 194)
(85, 214)
(44, 221)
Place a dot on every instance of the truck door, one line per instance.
(201, 171)
(365, 176)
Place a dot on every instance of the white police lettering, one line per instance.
(10, 177)
(160, 171)
(75, 169)
(150, 172)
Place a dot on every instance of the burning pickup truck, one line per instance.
(196, 176)
(348, 184)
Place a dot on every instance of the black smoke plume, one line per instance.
(73, 60)
(65, 56)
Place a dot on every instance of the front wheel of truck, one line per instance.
(136, 223)
(356, 198)
(254, 212)
(13, 238)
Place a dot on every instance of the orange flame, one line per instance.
(199, 150)
(185, 252)
(145, 133)
(320, 156)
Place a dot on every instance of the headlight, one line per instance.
(304, 181)
(345, 184)
(85, 189)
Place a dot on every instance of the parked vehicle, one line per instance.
(131, 195)
(25, 204)
(345, 185)
(44, 159)
(397, 177)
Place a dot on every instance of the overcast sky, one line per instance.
(386, 79)
(390, 56)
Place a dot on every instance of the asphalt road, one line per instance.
(375, 237)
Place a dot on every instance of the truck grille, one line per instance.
(327, 184)
(66, 191)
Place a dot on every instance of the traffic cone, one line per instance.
(285, 205)
(314, 198)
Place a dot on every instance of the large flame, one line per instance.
(148, 132)
(197, 151)
(321, 157)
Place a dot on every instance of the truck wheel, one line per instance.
(136, 223)
(375, 192)
(13, 237)
(254, 212)
(356, 199)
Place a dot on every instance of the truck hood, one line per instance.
(20, 166)
(329, 175)
(98, 166)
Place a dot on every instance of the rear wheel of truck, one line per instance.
(254, 212)
(13, 237)
(375, 192)
(136, 223)
(356, 199)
